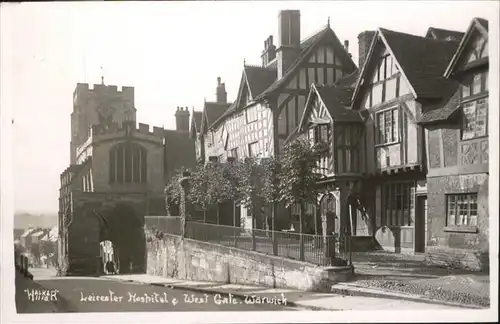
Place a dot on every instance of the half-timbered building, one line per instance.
(328, 121)
(456, 133)
(207, 140)
(402, 77)
(271, 97)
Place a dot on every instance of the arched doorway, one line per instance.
(124, 229)
(327, 211)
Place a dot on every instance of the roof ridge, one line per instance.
(444, 29)
(319, 30)
(259, 67)
(218, 103)
(426, 39)
(385, 30)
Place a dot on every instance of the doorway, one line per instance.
(420, 223)
(329, 223)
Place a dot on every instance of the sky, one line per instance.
(171, 52)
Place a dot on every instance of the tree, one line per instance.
(270, 184)
(250, 186)
(210, 186)
(233, 171)
(173, 193)
(198, 193)
(298, 178)
(220, 186)
(270, 191)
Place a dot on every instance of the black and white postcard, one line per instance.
(243, 162)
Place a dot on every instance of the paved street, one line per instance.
(136, 293)
(78, 294)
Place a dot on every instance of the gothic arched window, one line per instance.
(128, 164)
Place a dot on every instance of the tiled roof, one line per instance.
(259, 78)
(337, 99)
(213, 110)
(197, 119)
(443, 34)
(444, 109)
(423, 60)
(195, 126)
(348, 80)
(307, 46)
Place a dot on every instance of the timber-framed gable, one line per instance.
(456, 133)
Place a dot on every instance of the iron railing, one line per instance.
(315, 249)
(165, 224)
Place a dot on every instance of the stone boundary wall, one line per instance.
(175, 257)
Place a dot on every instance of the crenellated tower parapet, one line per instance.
(129, 130)
(85, 90)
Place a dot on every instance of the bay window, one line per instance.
(397, 204)
(347, 138)
(319, 133)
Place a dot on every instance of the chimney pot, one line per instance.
(220, 92)
(346, 45)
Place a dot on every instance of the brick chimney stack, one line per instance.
(288, 40)
(182, 119)
(221, 93)
(346, 46)
(269, 52)
(364, 40)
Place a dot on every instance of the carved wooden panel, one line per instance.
(434, 149)
(470, 153)
(450, 145)
(484, 151)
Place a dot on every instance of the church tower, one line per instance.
(98, 105)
